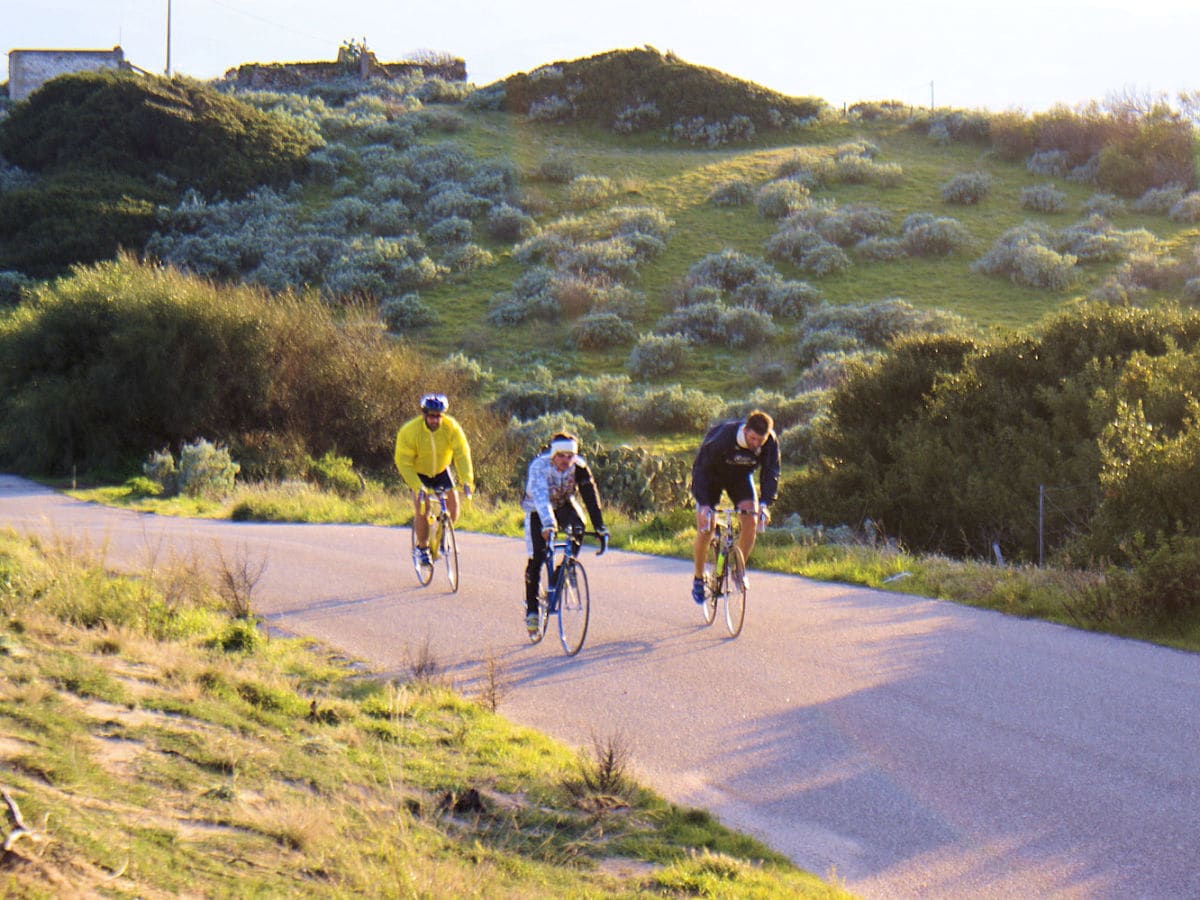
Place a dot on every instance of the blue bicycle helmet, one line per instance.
(434, 403)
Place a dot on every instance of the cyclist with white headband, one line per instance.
(425, 448)
(557, 478)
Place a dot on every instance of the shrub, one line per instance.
(699, 130)
(122, 356)
(853, 168)
(378, 267)
(777, 297)
(1186, 209)
(534, 434)
(657, 355)
(206, 470)
(557, 169)
(1107, 205)
(1095, 239)
(1162, 586)
(407, 313)
(143, 126)
(728, 270)
(880, 249)
(13, 286)
(589, 191)
(777, 199)
(335, 473)
(74, 216)
(450, 231)
(841, 225)
(808, 251)
(160, 468)
(551, 109)
(637, 117)
(509, 223)
(1044, 198)
(600, 330)
(1052, 163)
(737, 192)
(967, 189)
(1158, 199)
(1024, 254)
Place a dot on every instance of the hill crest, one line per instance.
(642, 89)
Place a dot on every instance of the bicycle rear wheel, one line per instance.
(424, 573)
(449, 549)
(574, 606)
(712, 583)
(735, 593)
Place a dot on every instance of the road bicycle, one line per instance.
(563, 591)
(725, 573)
(442, 546)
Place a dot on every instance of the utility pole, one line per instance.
(168, 38)
(931, 106)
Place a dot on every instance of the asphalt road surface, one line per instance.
(908, 747)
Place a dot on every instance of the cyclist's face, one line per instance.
(562, 460)
(753, 439)
(433, 420)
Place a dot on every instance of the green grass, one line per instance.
(145, 766)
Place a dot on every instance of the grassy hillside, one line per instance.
(679, 181)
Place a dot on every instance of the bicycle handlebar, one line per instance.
(580, 533)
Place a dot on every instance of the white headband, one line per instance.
(564, 445)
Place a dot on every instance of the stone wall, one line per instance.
(293, 76)
(28, 70)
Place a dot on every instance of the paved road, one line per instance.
(911, 747)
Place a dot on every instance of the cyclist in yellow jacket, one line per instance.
(425, 447)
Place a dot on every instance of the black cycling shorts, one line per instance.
(738, 489)
(439, 482)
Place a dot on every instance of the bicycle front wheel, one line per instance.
(449, 547)
(712, 583)
(424, 572)
(735, 595)
(574, 606)
(543, 608)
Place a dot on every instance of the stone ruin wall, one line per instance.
(28, 70)
(290, 76)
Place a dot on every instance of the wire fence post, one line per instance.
(1041, 523)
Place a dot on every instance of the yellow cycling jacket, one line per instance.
(419, 450)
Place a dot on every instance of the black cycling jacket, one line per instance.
(722, 461)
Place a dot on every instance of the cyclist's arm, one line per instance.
(769, 477)
(537, 489)
(591, 497)
(461, 450)
(405, 458)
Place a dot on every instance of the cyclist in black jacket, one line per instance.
(728, 458)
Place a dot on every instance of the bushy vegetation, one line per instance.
(122, 357)
(946, 440)
(148, 127)
(1125, 150)
(636, 90)
(108, 147)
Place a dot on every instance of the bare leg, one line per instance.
(704, 526)
(421, 520)
(748, 531)
(452, 506)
